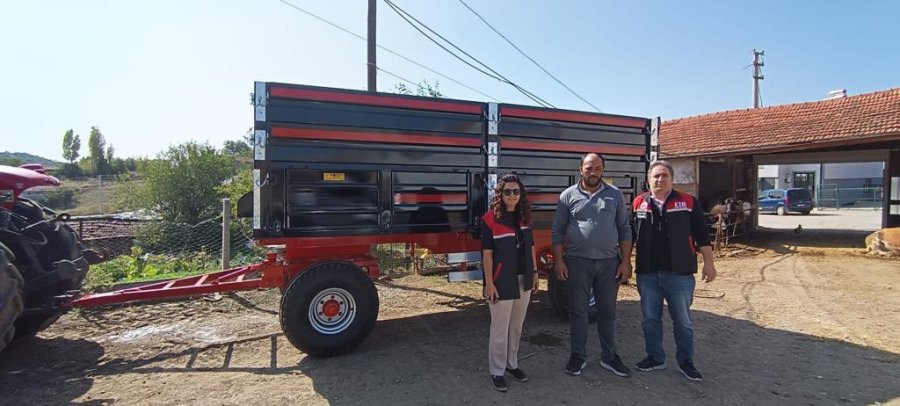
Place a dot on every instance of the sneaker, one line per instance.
(575, 365)
(616, 366)
(689, 372)
(518, 374)
(650, 364)
(499, 383)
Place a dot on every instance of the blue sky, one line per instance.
(151, 74)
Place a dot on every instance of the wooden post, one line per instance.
(226, 233)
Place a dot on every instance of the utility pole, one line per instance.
(757, 76)
(371, 40)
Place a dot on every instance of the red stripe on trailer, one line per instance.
(543, 198)
(562, 147)
(422, 139)
(374, 100)
(444, 198)
(572, 116)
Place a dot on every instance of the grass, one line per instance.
(142, 267)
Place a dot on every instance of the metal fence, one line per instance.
(834, 197)
(112, 236)
(728, 225)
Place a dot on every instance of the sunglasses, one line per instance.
(511, 192)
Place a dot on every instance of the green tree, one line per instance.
(238, 148)
(71, 146)
(181, 185)
(423, 88)
(97, 150)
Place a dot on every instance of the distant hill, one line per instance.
(27, 158)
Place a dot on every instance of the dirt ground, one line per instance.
(792, 319)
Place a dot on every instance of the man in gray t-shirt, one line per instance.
(593, 224)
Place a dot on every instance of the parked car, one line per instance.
(781, 201)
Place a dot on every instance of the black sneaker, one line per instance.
(650, 364)
(499, 383)
(687, 369)
(518, 374)
(575, 365)
(616, 366)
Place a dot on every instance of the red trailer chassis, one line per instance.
(285, 261)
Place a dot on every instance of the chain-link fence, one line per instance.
(112, 236)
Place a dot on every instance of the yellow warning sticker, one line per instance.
(333, 177)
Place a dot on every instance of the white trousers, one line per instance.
(507, 317)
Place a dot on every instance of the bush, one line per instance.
(177, 238)
(69, 171)
(56, 199)
(140, 266)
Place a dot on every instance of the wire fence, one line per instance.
(112, 236)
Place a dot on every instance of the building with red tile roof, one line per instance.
(716, 155)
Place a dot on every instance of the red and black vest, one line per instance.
(512, 254)
(685, 225)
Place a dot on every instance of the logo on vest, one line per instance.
(680, 205)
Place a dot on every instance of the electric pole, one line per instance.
(371, 40)
(757, 76)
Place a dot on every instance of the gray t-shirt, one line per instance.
(591, 226)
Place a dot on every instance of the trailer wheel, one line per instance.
(559, 298)
(329, 309)
(11, 305)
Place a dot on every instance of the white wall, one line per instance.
(854, 170)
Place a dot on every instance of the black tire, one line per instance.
(11, 292)
(342, 291)
(559, 298)
(805, 212)
(42, 307)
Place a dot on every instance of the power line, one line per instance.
(400, 77)
(526, 55)
(494, 74)
(388, 50)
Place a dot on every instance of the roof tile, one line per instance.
(865, 115)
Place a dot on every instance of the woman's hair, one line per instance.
(523, 208)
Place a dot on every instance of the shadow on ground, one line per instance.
(58, 370)
(785, 241)
(440, 358)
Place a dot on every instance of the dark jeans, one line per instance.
(678, 292)
(599, 275)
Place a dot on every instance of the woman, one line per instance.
(508, 259)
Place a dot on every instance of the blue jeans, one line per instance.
(598, 275)
(678, 291)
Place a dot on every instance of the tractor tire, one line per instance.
(59, 259)
(11, 304)
(329, 308)
(559, 298)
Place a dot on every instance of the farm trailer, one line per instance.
(338, 171)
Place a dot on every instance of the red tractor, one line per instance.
(42, 262)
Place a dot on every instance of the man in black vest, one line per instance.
(669, 230)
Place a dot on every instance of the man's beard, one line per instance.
(591, 181)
